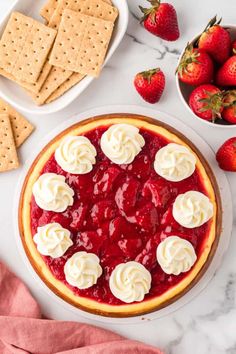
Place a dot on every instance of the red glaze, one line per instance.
(121, 213)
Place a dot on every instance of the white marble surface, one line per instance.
(207, 325)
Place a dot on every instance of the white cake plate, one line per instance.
(227, 219)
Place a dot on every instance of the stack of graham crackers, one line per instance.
(14, 130)
(48, 59)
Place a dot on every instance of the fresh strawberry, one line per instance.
(229, 112)
(196, 67)
(233, 47)
(226, 155)
(150, 84)
(161, 20)
(226, 75)
(215, 40)
(206, 101)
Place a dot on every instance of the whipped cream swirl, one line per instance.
(130, 282)
(175, 255)
(121, 143)
(76, 155)
(52, 193)
(174, 162)
(82, 270)
(52, 240)
(192, 209)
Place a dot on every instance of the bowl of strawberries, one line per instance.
(206, 75)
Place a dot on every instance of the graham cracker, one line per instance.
(63, 88)
(81, 43)
(21, 128)
(47, 10)
(96, 8)
(50, 6)
(8, 154)
(56, 77)
(30, 87)
(24, 47)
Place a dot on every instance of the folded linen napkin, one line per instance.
(22, 329)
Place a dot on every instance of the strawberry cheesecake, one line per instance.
(120, 215)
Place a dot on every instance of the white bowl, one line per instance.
(184, 90)
(17, 97)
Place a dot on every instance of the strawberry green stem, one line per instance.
(150, 11)
(149, 73)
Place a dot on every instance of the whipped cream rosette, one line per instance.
(121, 143)
(82, 270)
(176, 255)
(130, 282)
(192, 209)
(174, 162)
(52, 240)
(52, 193)
(76, 155)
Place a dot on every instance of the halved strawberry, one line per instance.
(78, 215)
(105, 183)
(126, 194)
(158, 190)
(148, 256)
(102, 211)
(146, 217)
(81, 184)
(140, 167)
(46, 218)
(120, 228)
(168, 220)
(90, 241)
(130, 247)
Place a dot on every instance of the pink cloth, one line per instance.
(22, 329)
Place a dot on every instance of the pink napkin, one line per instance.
(22, 329)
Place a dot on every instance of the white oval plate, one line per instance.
(226, 206)
(17, 97)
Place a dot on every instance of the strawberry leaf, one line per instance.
(190, 56)
(214, 103)
(149, 74)
(150, 12)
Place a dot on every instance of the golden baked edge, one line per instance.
(126, 310)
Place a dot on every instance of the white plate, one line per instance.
(225, 197)
(16, 96)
